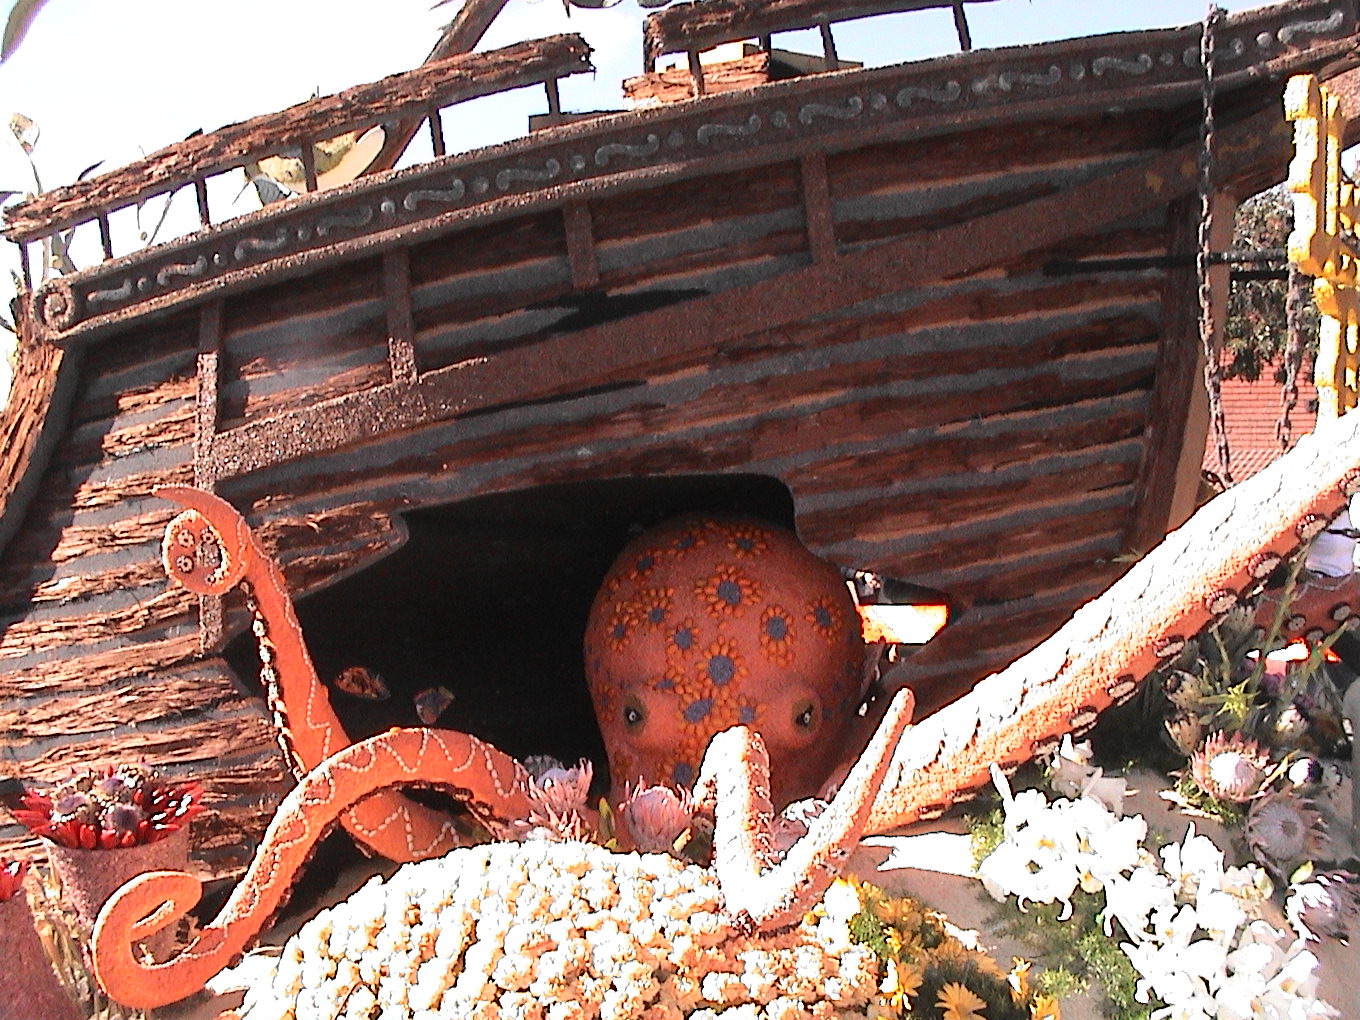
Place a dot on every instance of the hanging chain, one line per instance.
(1295, 305)
(269, 678)
(1213, 371)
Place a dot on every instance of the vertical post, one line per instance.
(696, 71)
(961, 26)
(401, 327)
(436, 119)
(206, 419)
(554, 101)
(833, 62)
(24, 265)
(104, 238)
(308, 166)
(201, 194)
(585, 269)
(821, 231)
(766, 43)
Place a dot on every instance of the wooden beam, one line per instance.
(401, 329)
(451, 80)
(206, 419)
(821, 227)
(585, 268)
(207, 404)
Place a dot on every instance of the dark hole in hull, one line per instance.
(488, 598)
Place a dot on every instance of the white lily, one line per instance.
(1131, 900)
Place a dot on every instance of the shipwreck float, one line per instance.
(938, 316)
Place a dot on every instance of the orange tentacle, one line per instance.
(735, 780)
(209, 549)
(491, 783)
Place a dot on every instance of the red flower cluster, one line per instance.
(11, 877)
(125, 805)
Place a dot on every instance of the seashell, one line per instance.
(431, 704)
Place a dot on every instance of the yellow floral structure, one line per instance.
(1323, 241)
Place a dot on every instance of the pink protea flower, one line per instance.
(1284, 829)
(1230, 767)
(11, 877)
(564, 789)
(655, 817)
(557, 796)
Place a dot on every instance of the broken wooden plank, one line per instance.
(701, 26)
(676, 84)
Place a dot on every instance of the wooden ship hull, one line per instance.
(939, 316)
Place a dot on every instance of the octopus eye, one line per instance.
(634, 716)
(805, 716)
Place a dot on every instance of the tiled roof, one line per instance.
(1251, 411)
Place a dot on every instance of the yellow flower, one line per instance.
(1018, 979)
(1044, 1007)
(903, 980)
(956, 1002)
(892, 939)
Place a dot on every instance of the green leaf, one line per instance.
(21, 16)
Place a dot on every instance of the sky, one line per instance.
(111, 80)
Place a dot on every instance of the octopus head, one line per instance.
(705, 623)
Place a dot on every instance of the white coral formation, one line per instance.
(554, 931)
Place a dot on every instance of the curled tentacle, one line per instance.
(1222, 553)
(491, 783)
(194, 553)
(209, 548)
(735, 778)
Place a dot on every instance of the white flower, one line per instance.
(1250, 884)
(1074, 776)
(1117, 847)
(1220, 913)
(1031, 872)
(1194, 860)
(1327, 905)
(1131, 900)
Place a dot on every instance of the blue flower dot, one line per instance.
(721, 669)
(698, 709)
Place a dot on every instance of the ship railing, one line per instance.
(298, 133)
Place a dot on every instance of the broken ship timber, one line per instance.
(940, 315)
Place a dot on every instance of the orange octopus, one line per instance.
(704, 623)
